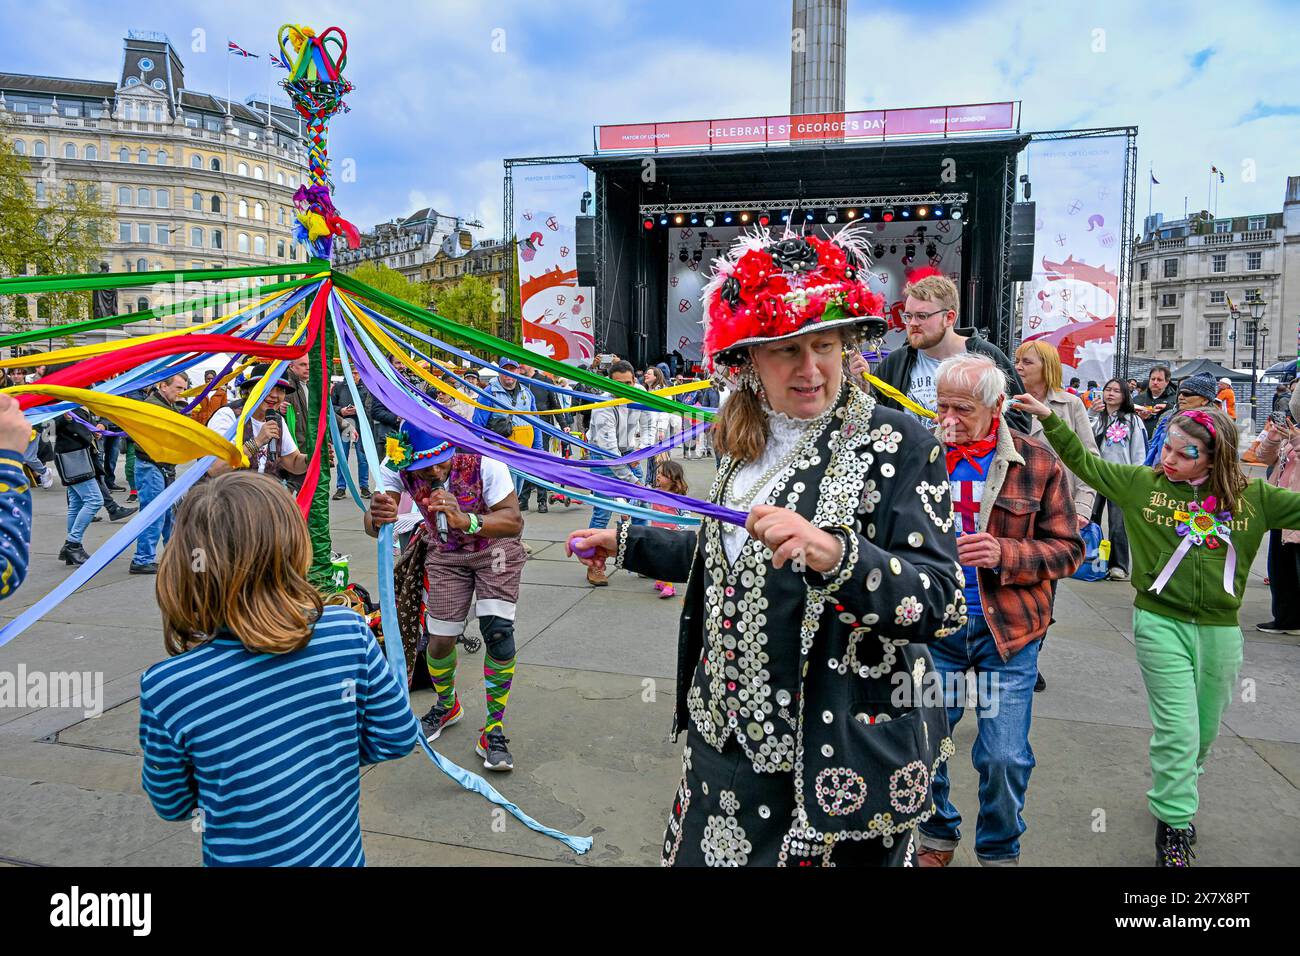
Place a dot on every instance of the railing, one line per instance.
(1171, 243)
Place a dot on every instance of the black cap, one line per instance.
(258, 372)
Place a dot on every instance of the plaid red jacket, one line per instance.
(1026, 505)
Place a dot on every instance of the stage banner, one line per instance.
(1073, 297)
(556, 311)
(898, 247)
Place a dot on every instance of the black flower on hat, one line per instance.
(730, 292)
(794, 255)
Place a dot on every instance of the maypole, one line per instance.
(316, 88)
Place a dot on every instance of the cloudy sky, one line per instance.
(448, 88)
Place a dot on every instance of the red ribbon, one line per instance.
(315, 335)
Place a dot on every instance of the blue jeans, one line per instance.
(112, 448)
(599, 516)
(363, 470)
(1001, 754)
(150, 484)
(84, 499)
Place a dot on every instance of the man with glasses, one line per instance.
(930, 321)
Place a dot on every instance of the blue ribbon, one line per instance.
(393, 636)
(611, 504)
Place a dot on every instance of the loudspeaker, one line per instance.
(1020, 265)
(585, 249)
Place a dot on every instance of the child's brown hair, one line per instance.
(676, 477)
(237, 561)
(1226, 481)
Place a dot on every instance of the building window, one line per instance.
(241, 242)
(1250, 334)
(142, 157)
(216, 165)
(1142, 340)
(258, 173)
(216, 238)
(123, 232)
(1219, 262)
(123, 156)
(1256, 222)
(142, 232)
(1142, 302)
(69, 150)
(20, 147)
(242, 169)
(257, 211)
(280, 218)
(279, 179)
(38, 148)
(1217, 298)
(1223, 225)
(1254, 260)
(163, 199)
(1168, 300)
(164, 236)
(216, 203)
(143, 197)
(196, 161)
(40, 189)
(141, 265)
(243, 209)
(1171, 269)
(279, 248)
(124, 195)
(1215, 338)
(196, 237)
(162, 154)
(1143, 271)
(196, 202)
(1166, 335)
(259, 245)
(142, 304)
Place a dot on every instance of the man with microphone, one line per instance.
(470, 535)
(267, 443)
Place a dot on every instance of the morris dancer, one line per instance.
(479, 560)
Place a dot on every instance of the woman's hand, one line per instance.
(1027, 403)
(791, 536)
(593, 546)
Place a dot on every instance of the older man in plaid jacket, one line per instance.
(1016, 533)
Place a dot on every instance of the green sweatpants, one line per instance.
(1189, 671)
(130, 466)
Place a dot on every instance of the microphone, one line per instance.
(440, 519)
(273, 446)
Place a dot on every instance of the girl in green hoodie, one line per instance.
(1195, 523)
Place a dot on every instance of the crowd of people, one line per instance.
(885, 538)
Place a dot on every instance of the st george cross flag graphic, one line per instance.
(235, 48)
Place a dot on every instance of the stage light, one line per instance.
(698, 255)
(709, 219)
(866, 214)
(785, 217)
(888, 214)
(678, 219)
(744, 217)
(682, 254)
(909, 250)
(923, 211)
(893, 250)
(907, 213)
(931, 249)
(852, 214)
(956, 212)
(695, 220)
(663, 220)
(879, 250)
(648, 222)
(727, 218)
(808, 217)
(938, 212)
(831, 216)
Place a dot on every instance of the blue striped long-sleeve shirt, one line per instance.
(15, 522)
(268, 747)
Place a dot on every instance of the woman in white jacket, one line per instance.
(1120, 438)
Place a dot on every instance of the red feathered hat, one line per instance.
(766, 289)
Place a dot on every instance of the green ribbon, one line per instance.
(75, 282)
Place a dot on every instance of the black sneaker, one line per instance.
(339, 493)
(120, 513)
(151, 568)
(438, 718)
(133, 496)
(492, 748)
(542, 508)
(1040, 685)
(1173, 846)
(364, 491)
(1272, 627)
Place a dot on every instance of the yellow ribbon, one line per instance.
(166, 436)
(398, 352)
(890, 392)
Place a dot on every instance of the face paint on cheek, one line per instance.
(1192, 452)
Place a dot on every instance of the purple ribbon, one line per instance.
(404, 406)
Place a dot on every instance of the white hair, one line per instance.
(979, 373)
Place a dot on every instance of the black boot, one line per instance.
(73, 553)
(1173, 846)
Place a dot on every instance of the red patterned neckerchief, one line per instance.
(975, 450)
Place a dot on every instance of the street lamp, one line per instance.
(1256, 306)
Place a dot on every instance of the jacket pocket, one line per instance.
(1148, 576)
(1016, 517)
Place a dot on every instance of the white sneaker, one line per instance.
(1118, 574)
(47, 478)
